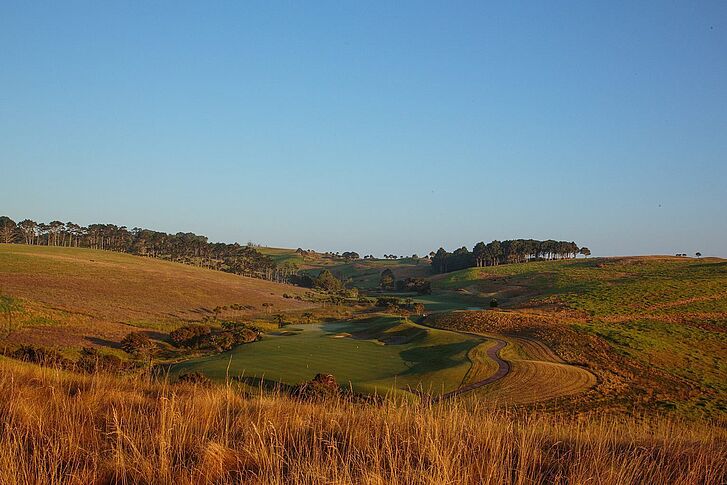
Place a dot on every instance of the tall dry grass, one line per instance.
(64, 428)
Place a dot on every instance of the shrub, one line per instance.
(493, 303)
(93, 361)
(304, 280)
(41, 356)
(322, 386)
(189, 335)
(351, 293)
(137, 343)
(418, 308)
(228, 339)
(418, 285)
(388, 302)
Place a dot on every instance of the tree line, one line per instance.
(504, 252)
(183, 247)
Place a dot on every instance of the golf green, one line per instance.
(375, 354)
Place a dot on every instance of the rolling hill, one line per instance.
(619, 333)
(653, 329)
(72, 297)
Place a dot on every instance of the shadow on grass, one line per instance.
(435, 357)
(267, 385)
(103, 342)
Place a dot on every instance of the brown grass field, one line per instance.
(61, 428)
(82, 297)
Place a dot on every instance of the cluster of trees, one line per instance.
(392, 303)
(503, 252)
(346, 255)
(388, 282)
(418, 285)
(196, 336)
(183, 247)
(325, 281)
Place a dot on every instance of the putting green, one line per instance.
(375, 354)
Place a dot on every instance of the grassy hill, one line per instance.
(73, 297)
(362, 273)
(617, 333)
(654, 329)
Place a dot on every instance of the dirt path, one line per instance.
(538, 374)
(503, 367)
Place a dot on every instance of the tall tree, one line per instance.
(480, 253)
(387, 281)
(326, 281)
(29, 230)
(7, 229)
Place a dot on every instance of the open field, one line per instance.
(372, 354)
(74, 297)
(71, 429)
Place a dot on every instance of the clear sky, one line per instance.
(393, 127)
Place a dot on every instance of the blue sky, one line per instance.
(394, 127)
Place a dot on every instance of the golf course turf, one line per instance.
(373, 354)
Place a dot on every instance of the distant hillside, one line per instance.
(75, 297)
(362, 273)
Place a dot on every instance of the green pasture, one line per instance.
(608, 286)
(373, 354)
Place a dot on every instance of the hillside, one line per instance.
(653, 329)
(362, 273)
(627, 334)
(73, 297)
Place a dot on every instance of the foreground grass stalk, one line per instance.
(59, 427)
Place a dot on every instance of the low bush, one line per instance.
(41, 356)
(92, 361)
(189, 335)
(137, 343)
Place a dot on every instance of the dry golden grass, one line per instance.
(82, 296)
(64, 428)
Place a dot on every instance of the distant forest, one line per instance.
(183, 247)
(190, 248)
(504, 252)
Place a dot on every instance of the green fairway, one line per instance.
(373, 354)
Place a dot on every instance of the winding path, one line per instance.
(503, 367)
